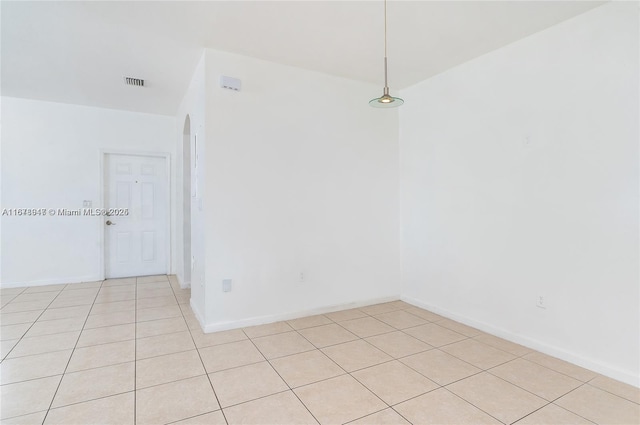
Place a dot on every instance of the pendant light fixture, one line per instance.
(386, 100)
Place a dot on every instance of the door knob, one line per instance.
(110, 223)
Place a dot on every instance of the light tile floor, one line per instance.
(130, 351)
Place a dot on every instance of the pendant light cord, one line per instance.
(386, 85)
(385, 28)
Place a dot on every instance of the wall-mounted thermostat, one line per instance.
(230, 83)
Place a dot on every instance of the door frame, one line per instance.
(103, 201)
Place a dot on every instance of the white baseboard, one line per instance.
(263, 320)
(198, 314)
(43, 282)
(183, 285)
(75, 279)
(551, 350)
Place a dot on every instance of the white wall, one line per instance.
(193, 105)
(51, 158)
(302, 177)
(519, 179)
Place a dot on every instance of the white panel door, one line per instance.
(136, 243)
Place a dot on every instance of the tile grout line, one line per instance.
(499, 377)
(389, 406)
(518, 386)
(100, 367)
(135, 354)
(38, 354)
(517, 356)
(607, 391)
(351, 373)
(321, 352)
(193, 417)
(388, 361)
(253, 399)
(547, 402)
(280, 376)
(401, 331)
(554, 370)
(371, 391)
(546, 405)
(475, 374)
(75, 403)
(169, 382)
(375, 413)
(12, 297)
(467, 401)
(34, 322)
(567, 393)
(71, 356)
(204, 367)
(488, 370)
(107, 343)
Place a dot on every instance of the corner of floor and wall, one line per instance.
(519, 177)
(517, 180)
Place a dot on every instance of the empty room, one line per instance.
(320, 212)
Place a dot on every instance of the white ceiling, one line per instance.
(79, 51)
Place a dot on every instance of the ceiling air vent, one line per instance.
(130, 81)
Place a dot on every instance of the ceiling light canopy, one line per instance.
(386, 100)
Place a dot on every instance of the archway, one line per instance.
(186, 200)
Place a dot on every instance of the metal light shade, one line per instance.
(386, 101)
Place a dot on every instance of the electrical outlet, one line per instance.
(301, 277)
(541, 303)
(226, 285)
